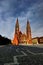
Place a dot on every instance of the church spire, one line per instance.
(17, 21)
(16, 35)
(17, 27)
(28, 31)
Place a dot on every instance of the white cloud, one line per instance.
(7, 22)
(35, 15)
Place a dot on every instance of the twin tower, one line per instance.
(21, 38)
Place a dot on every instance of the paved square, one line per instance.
(21, 55)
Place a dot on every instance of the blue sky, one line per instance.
(24, 10)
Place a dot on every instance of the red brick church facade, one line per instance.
(20, 37)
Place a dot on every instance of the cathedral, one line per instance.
(21, 38)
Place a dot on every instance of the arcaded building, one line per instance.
(21, 38)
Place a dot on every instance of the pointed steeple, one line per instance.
(28, 25)
(28, 31)
(16, 35)
(17, 21)
(17, 27)
(28, 28)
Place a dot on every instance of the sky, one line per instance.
(24, 10)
